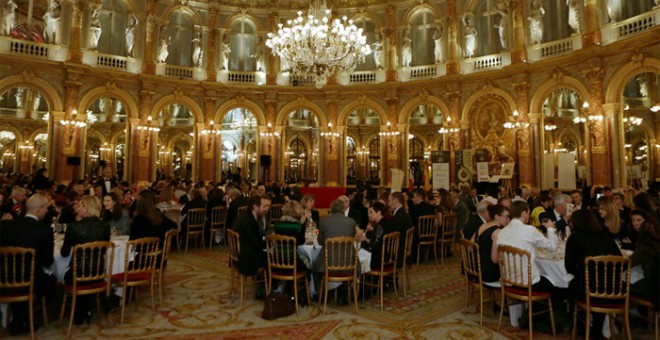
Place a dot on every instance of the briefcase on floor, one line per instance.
(278, 305)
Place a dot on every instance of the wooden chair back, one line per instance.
(282, 253)
(16, 273)
(218, 215)
(471, 260)
(340, 255)
(242, 210)
(234, 246)
(141, 255)
(515, 269)
(427, 228)
(275, 213)
(409, 240)
(167, 245)
(607, 277)
(92, 261)
(390, 250)
(196, 218)
(449, 222)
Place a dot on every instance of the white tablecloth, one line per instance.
(61, 264)
(554, 270)
(311, 254)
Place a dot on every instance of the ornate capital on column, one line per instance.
(594, 75)
(393, 108)
(209, 108)
(271, 110)
(71, 89)
(145, 103)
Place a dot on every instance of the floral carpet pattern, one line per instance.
(198, 306)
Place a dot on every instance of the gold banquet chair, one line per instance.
(428, 234)
(447, 234)
(196, 219)
(408, 251)
(387, 265)
(233, 239)
(342, 267)
(473, 280)
(218, 216)
(282, 254)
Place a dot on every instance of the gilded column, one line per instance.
(333, 147)
(600, 164)
(455, 139)
(210, 66)
(273, 67)
(75, 44)
(390, 33)
(452, 38)
(523, 136)
(148, 66)
(143, 137)
(592, 25)
(272, 146)
(208, 142)
(389, 142)
(68, 139)
(519, 53)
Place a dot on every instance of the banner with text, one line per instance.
(440, 160)
(464, 167)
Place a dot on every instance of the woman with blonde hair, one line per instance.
(167, 199)
(308, 202)
(610, 219)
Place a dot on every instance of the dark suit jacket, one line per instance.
(472, 226)
(26, 232)
(15, 210)
(232, 210)
(560, 225)
(194, 204)
(400, 222)
(89, 229)
(356, 215)
(113, 184)
(462, 214)
(333, 225)
(421, 209)
(184, 199)
(468, 203)
(252, 255)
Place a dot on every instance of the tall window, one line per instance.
(114, 19)
(422, 31)
(488, 38)
(242, 43)
(351, 163)
(180, 31)
(368, 29)
(374, 161)
(297, 161)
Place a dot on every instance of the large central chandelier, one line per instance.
(311, 46)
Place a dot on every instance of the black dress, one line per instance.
(490, 272)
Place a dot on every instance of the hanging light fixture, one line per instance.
(316, 45)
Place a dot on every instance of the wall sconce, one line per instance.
(211, 130)
(269, 133)
(105, 148)
(550, 127)
(515, 122)
(390, 132)
(329, 133)
(147, 126)
(72, 121)
(26, 146)
(655, 108)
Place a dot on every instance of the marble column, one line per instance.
(75, 42)
(535, 135)
(142, 140)
(600, 162)
(333, 150)
(208, 141)
(523, 136)
(519, 53)
(613, 119)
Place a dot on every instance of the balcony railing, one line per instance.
(623, 29)
(33, 49)
(181, 72)
(554, 48)
(241, 77)
(110, 61)
(485, 63)
(422, 72)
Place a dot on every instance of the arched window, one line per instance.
(114, 20)
(416, 152)
(422, 29)
(7, 151)
(242, 44)
(374, 160)
(351, 163)
(297, 160)
(426, 114)
(40, 149)
(21, 102)
(239, 130)
(180, 30)
(368, 29)
(107, 109)
(175, 115)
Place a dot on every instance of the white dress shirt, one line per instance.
(526, 237)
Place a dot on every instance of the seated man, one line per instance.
(249, 227)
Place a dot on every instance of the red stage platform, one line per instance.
(324, 195)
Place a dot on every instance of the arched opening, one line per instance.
(239, 144)
(8, 150)
(302, 132)
(363, 123)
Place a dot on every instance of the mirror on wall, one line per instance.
(239, 144)
(302, 147)
(363, 126)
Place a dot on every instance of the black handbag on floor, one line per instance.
(278, 305)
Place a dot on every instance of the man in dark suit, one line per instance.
(418, 208)
(557, 214)
(355, 214)
(461, 212)
(470, 198)
(107, 182)
(15, 207)
(236, 200)
(28, 232)
(401, 222)
(476, 220)
(249, 226)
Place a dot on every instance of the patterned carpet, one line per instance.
(198, 306)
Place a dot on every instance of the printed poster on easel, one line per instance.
(440, 160)
(463, 167)
(481, 157)
(507, 170)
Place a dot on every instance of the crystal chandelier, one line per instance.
(313, 45)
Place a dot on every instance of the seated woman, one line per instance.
(610, 219)
(115, 215)
(541, 204)
(167, 199)
(372, 240)
(645, 255)
(637, 218)
(485, 237)
(308, 201)
(587, 239)
(149, 221)
(292, 223)
(87, 228)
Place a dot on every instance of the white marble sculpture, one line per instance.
(196, 46)
(8, 16)
(574, 15)
(503, 27)
(224, 52)
(130, 34)
(379, 52)
(95, 28)
(163, 45)
(643, 87)
(259, 55)
(406, 49)
(52, 24)
(437, 44)
(614, 8)
(536, 22)
(470, 35)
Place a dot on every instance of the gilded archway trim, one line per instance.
(378, 23)
(178, 99)
(227, 106)
(50, 93)
(97, 134)
(37, 132)
(358, 104)
(465, 117)
(622, 76)
(240, 17)
(283, 114)
(411, 105)
(113, 92)
(179, 136)
(115, 138)
(544, 90)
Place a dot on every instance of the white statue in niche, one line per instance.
(379, 52)
(196, 45)
(503, 26)
(614, 8)
(95, 28)
(259, 55)
(130, 34)
(470, 35)
(19, 97)
(437, 43)
(574, 15)
(224, 52)
(406, 49)
(536, 22)
(52, 23)
(8, 16)
(163, 45)
(643, 87)
(36, 102)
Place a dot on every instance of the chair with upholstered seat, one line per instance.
(387, 268)
(341, 262)
(516, 281)
(160, 268)
(282, 254)
(139, 269)
(233, 239)
(196, 218)
(218, 215)
(427, 230)
(607, 290)
(17, 279)
(92, 276)
(447, 233)
(408, 252)
(471, 262)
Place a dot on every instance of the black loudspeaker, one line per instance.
(103, 163)
(265, 161)
(189, 166)
(73, 160)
